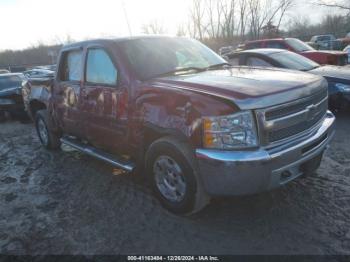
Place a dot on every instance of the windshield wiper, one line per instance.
(218, 65)
(192, 68)
(184, 69)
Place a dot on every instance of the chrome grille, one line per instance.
(293, 108)
(282, 122)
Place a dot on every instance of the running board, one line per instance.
(99, 154)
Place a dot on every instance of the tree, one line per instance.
(242, 7)
(340, 4)
(197, 13)
(153, 28)
(262, 13)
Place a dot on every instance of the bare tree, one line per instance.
(285, 6)
(197, 13)
(181, 30)
(153, 27)
(228, 11)
(243, 6)
(340, 4)
(263, 13)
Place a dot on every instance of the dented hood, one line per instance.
(248, 88)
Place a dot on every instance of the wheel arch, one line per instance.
(35, 105)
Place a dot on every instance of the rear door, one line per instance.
(103, 100)
(66, 93)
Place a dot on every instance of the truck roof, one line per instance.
(114, 40)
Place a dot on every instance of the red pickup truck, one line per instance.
(174, 109)
(322, 57)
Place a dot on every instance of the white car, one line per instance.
(347, 50)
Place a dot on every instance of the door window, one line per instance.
(71, 67)
(100, 68)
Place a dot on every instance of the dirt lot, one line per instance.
(69, 203)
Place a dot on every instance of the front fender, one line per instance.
(170, 111)
(36, 91)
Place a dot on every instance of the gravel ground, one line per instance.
(69, 203)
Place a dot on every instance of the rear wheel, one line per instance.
(48, 138)
(172, 169)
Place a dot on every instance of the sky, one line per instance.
(26, 23)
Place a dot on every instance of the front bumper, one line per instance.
(249, 172)
(11, 105)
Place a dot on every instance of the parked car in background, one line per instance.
(326, 42)
(225, 50)
(313, 45)
(38, 73)
(299, 47)
(4, 71)
(11, 95)
(46, 67)
(338, 77)
(345, 41)
(199, 127)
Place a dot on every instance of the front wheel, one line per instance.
(171, 167)
(48, 138)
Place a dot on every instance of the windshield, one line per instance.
(294, 61)
(9, 82)
(151, 57)
(298, 45)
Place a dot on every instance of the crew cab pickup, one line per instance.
(323, 57)
(174, 110)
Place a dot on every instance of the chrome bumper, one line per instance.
(249, 172)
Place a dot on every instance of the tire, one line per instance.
(49, 139)
(187, 195)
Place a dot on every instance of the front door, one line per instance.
(102, 99)
(67, 92)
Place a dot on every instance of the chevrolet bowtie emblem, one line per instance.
(311, 112)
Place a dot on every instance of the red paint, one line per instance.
(320, 56)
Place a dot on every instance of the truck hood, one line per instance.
(10, 91)
(247, 87)
(341, 73)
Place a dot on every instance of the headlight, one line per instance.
(343, 88)
(230, 132)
